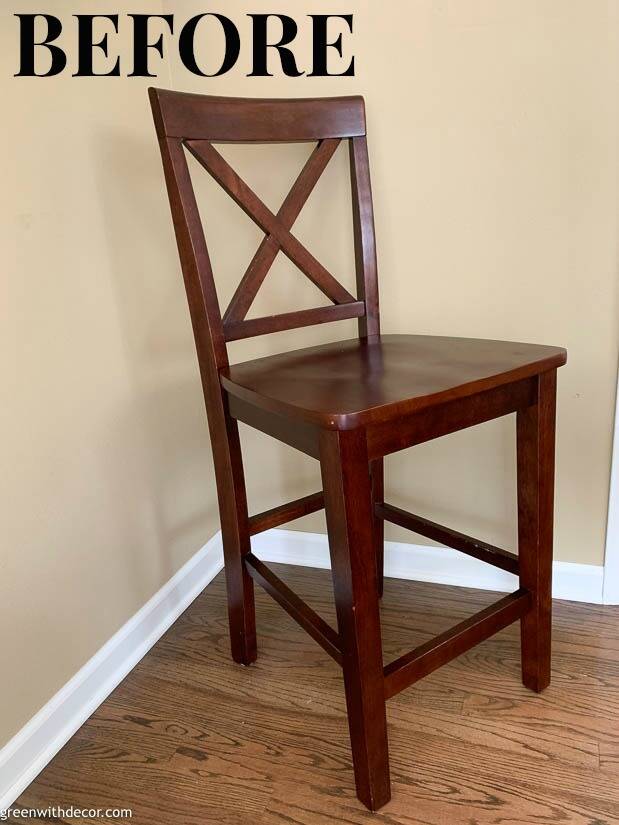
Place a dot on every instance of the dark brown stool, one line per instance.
(348, 404)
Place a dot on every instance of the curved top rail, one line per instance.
(260, 120)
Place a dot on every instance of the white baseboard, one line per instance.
(43, 736)
(27, 753)
(611, 580)
(574, 582)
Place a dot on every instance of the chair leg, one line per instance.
(236, 543)
(377, 473)
(348, 500)
(535, 449)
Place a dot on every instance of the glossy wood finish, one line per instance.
(297, 434)
(309, 620)
(349, 404)
(421, 661)
(363, 228)
(441, 419)
(210, 346)
(348, 504)
(286, 512)
(250, 328)
(536, 464)
(236, 544)
(188, 737)
(372, 380)
(377, 477)
(481, 550)
(206, 154)
(266, 253)
(250, 120)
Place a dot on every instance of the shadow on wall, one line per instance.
(164, 413)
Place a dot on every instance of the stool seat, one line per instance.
(352, 383)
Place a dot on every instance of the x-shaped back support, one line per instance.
(276, 228)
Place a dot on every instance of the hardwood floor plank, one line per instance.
(444, 799)
(587, 723)
(609, 755)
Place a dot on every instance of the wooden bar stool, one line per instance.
(349, 404)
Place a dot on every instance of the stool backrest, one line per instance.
(193, 123)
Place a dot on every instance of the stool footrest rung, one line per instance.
(285, 513)
(302, 613)
(452, 538)
(438, 651)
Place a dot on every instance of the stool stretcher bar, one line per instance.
(286, 512)
(452, 538)
(438, 651)
(302, 613)
(421, 661)
(432, 654)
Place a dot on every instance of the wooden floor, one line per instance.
(190, 737)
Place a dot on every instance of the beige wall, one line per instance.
(494, 135)
(107, 483)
